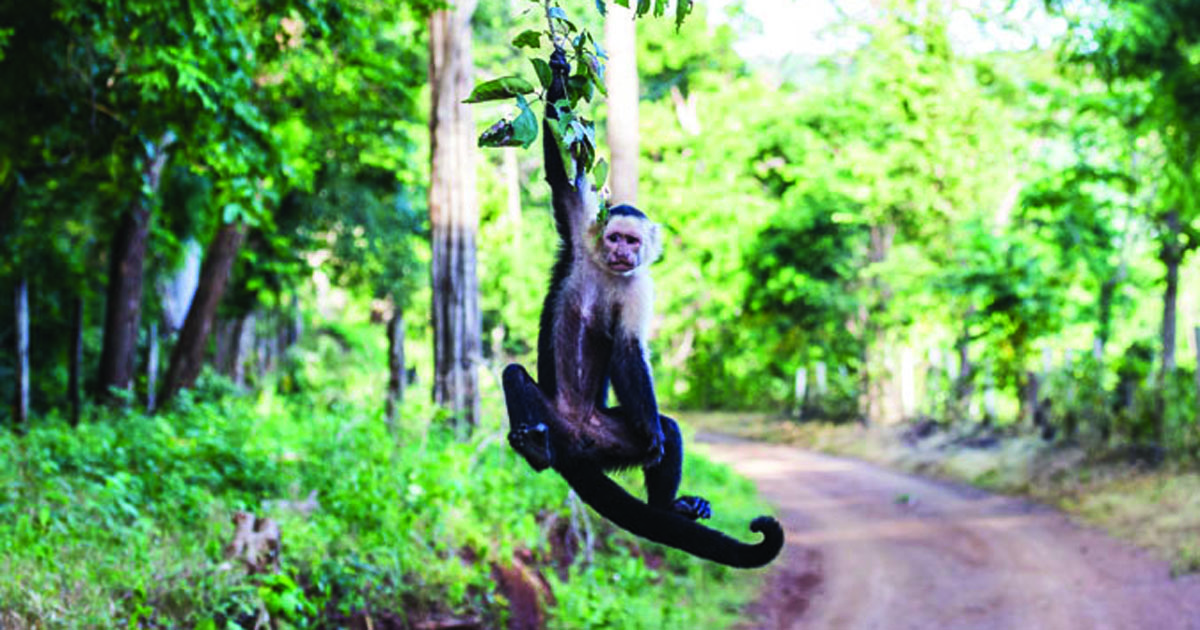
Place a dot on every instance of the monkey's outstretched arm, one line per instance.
(574, 202)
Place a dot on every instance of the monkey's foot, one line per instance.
(693, 507)
(533, 443)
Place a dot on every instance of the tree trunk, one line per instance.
(454, 215)
(964, 384)
(1171, 255)
(122, 311)
(1108, 291)
(241, 337)
(395, 391)
(1029, 398)
(123, 306)
(21, 311)
(151, 366)
(621, 39)
(75, 360)
(1196, 336)
(878, 376)
(176, 289)
(188, 354)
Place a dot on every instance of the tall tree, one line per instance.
(123, 308)
(453, 214)
(21, 308)
(621, 38)
(188, 354)
(1146, 51)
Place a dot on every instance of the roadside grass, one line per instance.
(121, 522)
(1154, 507)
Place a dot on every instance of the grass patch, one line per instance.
(121, 522)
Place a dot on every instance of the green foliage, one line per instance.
(499, 89)
(574, 135)
(122, 521)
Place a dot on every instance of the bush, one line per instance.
(122, 520)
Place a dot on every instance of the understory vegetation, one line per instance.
(122, 521)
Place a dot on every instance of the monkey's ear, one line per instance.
(653, 244)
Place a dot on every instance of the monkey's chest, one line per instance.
(584, 346)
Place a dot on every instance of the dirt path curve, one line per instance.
(871, 548)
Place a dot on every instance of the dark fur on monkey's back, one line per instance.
(671, 529)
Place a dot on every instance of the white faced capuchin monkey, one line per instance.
(593, 331)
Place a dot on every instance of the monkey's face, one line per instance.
(622, 247)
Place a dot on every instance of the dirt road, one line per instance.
(870, 548)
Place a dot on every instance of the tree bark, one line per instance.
(878, 376)
(964, 383)
(1108, 291)
(1171, 255)
(241, 338)
(1196, 336)
(21, 312)
(620, 36)
(151, 366)
(395, 391)
(454, 215)
(123, 305)
(75, 360)
(188, 354)
(122, 311)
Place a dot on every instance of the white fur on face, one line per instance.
(647, 231)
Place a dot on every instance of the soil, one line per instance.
(872, 548)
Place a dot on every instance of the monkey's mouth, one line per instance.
(620, 266)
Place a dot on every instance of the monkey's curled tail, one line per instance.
(672, 529)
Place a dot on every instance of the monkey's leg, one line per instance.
(528, 418)
(662, 478)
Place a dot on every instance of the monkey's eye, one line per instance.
(613, 237)
(633, 240)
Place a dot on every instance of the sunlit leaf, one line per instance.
(544, 73)
(528, 39)
(499, 89)
(525, 126)
(600, 173)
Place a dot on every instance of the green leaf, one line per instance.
(580, 86)
(595, 71)
(525, 127)
(499, 89)
(683, 8)
(500, 134)
(601, 8)
(558, 14)
(528, 39)
(600, 173)
(512, 133)
(544, 74)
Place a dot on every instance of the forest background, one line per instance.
(229, 244)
